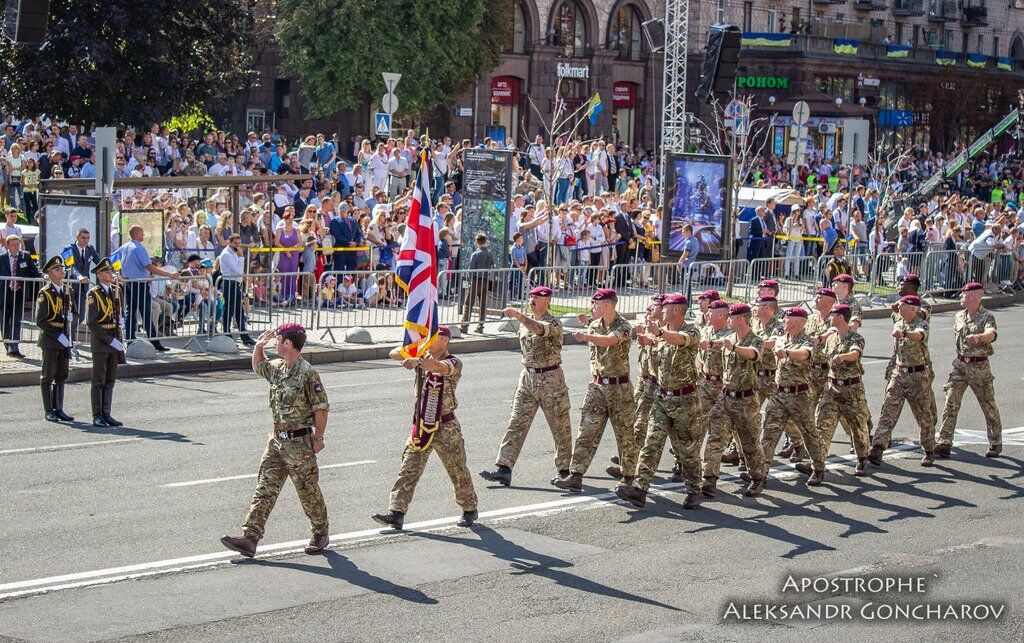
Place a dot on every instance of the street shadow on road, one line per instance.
(524, 561)
(344, 569)
(129, 432)
(1004, 464)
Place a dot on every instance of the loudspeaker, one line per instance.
(25, 21)
(721, 55)
(654, 30)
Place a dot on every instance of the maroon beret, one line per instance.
(766, 300)
(974, 285)
(842, 309)
(675, 299)
(658, 299)
(911, 300)
(769, 283)
(739, 309)
(711, 295)
(718, 303)
(827, 292)
(603, 294)
(541, 291)
(796, 311)
(912, 279)
(444, 331)
(843, 279)
(290, 327)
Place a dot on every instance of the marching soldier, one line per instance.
(768, 327)
(609, 395)
(541, 384)
(769, 288)
(103, 315)
(434, 429)
(704, 301)
(792, 400)
(676, 411)
(843, 396)
(843, 287)
(736, 413)
(53, 317)
(909, 382)
(647, 384)
(911, 285)
(974, 331)
(710, 365)
(837, 263)
(299, 407)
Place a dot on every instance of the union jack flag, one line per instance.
(416, 271)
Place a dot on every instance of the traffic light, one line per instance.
(720, 57)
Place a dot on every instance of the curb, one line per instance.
(365, 353)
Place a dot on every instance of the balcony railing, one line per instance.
(829, 1)
(909, 8)
(870, 5)
(974, 16)
(943, 10)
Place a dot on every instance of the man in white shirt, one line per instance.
(220, 168)
(535, 156)
(232, 268)
(398, 174)
(379, 168)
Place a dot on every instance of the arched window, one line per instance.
(1017, 48)
(517, 39)
(624, 33)
(569, 28)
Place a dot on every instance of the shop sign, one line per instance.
(565, 70)
(763, 82)
(505, 90)
(624, 95)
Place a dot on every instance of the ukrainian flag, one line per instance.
(845, 46)
(897, 51)
(595, 108)
(977, 60)
(1004, 63)
(757, 39)
(945, 58)
(68, 257)
(115, 259)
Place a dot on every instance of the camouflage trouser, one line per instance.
(915, 389)
(792, 412)
(283, 459)
(891, 366)
(835, 405)
(707, 394)
(979, 378)
(735, 417)
(679, 420)
(765, 389)
(604, 403)
(819, 379)
(549, 392)
(452, 451)
(644, 395)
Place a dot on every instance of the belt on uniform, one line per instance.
(765, 373)
(624, 379)
(651, 379)
(799, 388)
(973, 360)
(712, 378)
(546, 369)
(678, 392)
(447, 417)
(288, 434)
(912, 369)
(849, 382)
(728, 392)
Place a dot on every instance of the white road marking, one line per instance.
(129, 572)
(62, 447)
(193, 483)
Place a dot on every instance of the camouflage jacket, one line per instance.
(676, 363)
(294, 392)
(740, 374)
(541, 351)
(792, 373)
(965, 325)
(611, 361)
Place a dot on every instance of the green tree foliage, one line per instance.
(339, 48)
(128, 62)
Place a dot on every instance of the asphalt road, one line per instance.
(113, 532)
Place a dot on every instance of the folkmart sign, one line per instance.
(762, 82)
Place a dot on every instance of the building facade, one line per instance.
(927, 72)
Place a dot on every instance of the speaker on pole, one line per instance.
(721, 56)
(654, 29)
(25, 21)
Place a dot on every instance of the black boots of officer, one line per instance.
(102, 398)
(53, 403)
(47, 390)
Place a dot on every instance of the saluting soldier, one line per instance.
(103, 314)
(541, 384)
(909, 382)
(843, 396)
(609, 395)
(791, 405)
(435, 428)
(299, 407)
(676, 411)
(53, 317)
(736, 413)
(974, 330)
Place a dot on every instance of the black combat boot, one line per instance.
(393, 519)
(632, 495)
(58, 404)
(875, 457)
(501, 475)
(692, 500)
(47, 391)
(468, 518)
(242, 544)
(108, 395)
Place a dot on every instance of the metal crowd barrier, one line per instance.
(366, 298)
(945, 272)
(796, 276)
(888, 267)
(731, 278)
(17, 310)
(461, 292)
(571, 287)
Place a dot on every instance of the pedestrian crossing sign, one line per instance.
(383, 121)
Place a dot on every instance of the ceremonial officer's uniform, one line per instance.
(971, 368)
(103, 316)
(53, 317)
(909, 382)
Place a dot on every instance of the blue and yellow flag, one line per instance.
(115, 259)
(595, 108)
(978, 61)
(897, 51)
(757, 39)
(1004, 63)
(68, 256)
(945, 58)
(845, 46)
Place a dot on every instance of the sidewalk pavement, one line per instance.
(25, 372)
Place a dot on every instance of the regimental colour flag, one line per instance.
(416, 271)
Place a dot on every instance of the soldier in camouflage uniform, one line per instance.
(435, 428)
(909, 382)
(704, 301)
(844, 393)
(911, 285)
(609, 395)
(299, 406)
(792, 401)
(736, 412)
(974, 330)
(843, 286)
(676, 412)
(541, 384)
